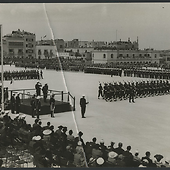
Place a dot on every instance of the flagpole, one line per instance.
(2, 73)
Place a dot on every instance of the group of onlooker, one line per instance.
(60, 148)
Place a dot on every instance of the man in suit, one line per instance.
(83, 104)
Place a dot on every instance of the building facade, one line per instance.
(45, 51)
(19, 44)
(126, 56)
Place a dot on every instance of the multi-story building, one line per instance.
(71, 44)
(91, 44)
(124, 45)
(19, 44)
(126, 56)
(46, 50)
(59, 44)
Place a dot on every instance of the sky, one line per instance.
(92, 21)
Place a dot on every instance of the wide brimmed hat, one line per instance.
(17, 115)
(79, 143)
(100, 161)
(6, 112)
(60, 127)
(37, 138)
(158, 156)
(112, 154)
(38, 97)
(23, 116)
(47, 132)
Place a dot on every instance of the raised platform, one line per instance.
(45, 107)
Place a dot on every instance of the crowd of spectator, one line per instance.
(61, 148)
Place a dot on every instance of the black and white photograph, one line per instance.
(84, 85)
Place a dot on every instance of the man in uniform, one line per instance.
(83, 105)
(38, 106)
(100, 91)
(13, 103)
(38, 88)
(18, 103)
(45, 92)
(52, 105)
(131, 94)
(33, 105)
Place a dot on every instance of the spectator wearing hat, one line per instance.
(100, 91)
(52, 105)
(33, 106)
(158, 161)
(59, 130)
(38, 106)
(83, 104)
(111, 161)
(13, 101)
(18, 103)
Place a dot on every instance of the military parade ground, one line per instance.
(144, 124)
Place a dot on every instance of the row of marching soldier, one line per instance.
(131, 90)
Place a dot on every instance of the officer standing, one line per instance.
(33, 105)
(131, 94)
(18, 103)
(38, 88)
(52, 105)
(83, 104)
(45, 92)
(13, 103)
(100, 91)
(38, 106)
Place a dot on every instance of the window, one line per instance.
(104, 55)
(127, 55)
(20, 51)
(61, 46)
(140, 55)
(155, 55)
(16, 44)
(39, 52)
(11, 50)
(111, 55)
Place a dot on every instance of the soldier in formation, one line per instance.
(122, 91)
(21, 75)
(143, 73)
